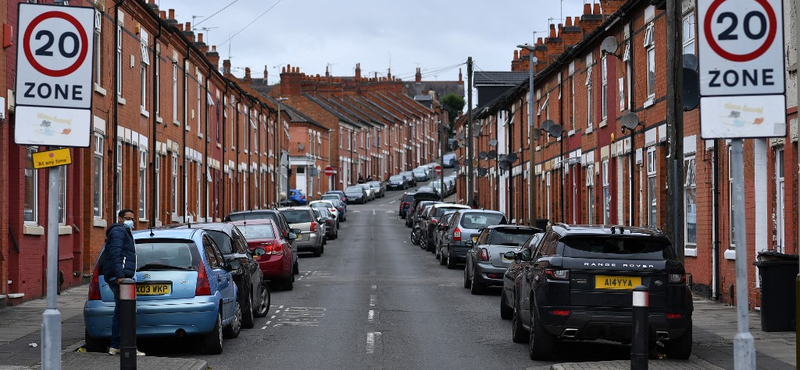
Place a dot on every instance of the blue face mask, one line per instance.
(128, 224)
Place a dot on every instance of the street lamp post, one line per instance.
(279, 165)
(531, 103)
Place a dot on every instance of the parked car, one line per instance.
(437, 187)
(324, 216)
(486, 261)
(397, 182)
(420, 175)
(328, 204)
(579, 282)
(432, 220)
(522, 256)
(183, 287)
(410, 180)
(296, 197)
(279, 262)
(379, 187)
(418, 197)
(312, 234)
(341, 208)
(253, 294)
(439, 231)
(369, 190)
(404, 203)
(356, 194)
(420, 220)
(270, 214)
(340, 193)
(465, 225)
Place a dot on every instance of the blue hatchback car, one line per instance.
(183, 287)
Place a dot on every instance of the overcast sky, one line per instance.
(434, 35)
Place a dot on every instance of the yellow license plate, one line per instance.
(474, 238)
(152, 289)
(617, 282)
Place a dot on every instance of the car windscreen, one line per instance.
(616, 247)
(396, 178)
(167, 254)
(479, 220)
(330, 197)
(223, 241)
(442, 210)
(294, 216)
(253, 231)
(248, 216)
(408, 198)
(511, 237)
(353, 190)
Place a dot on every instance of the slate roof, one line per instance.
(485, 78)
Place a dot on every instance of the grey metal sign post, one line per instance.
(742, 89)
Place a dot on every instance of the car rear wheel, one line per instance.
(235, 327)
(505, 311)
(94, 344)
(477, 288)
(318, 251)
(442, 259)
(680, 348)
(518, 333)
(541, 344)
(263, 302)
(451, 263)
(467, 282)
(248, 320)
(213, 340)
(296, 268)
(288, 284)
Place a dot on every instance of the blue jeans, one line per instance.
(115, 321)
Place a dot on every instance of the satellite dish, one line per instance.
(690, 61)
(454, 145)
(555, 130)
(483, 155)
(536, 134)
(630, 120)
(476, 130)
(493, 154)
(482, 171)
(691, 88)
(493, 142)
(609, 45)
(300, 146)
(461, 136)
(502, 158)
(512, 157)
(504, 165)
(547, 124)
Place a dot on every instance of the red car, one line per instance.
(279, 264)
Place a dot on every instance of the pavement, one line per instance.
(714, 329)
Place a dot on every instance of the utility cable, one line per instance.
(217, 12)
(251, 23)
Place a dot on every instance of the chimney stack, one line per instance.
(226, 66)
(213, 57)
(590, 21)
(571, 34)
(247, 79)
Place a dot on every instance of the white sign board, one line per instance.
(741, 60)
(54, 75)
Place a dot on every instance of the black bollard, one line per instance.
(639, 338)
(127, 325)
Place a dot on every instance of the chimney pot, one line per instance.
(597, 10)
(162, 14)
(172, 14)
(569, 22)
(200, 37)
(587, 8)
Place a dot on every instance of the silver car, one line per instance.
(370, 191)
(465, 225)
(312, 233)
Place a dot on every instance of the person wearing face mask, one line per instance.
(119, 263)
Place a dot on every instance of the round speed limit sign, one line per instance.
(741, 47)
(54, 65)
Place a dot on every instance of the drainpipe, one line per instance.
(205, 148)
(224, 147)
(156, 86)
(117, 4)
(716, 229)
(185, 123)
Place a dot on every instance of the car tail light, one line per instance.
(434, 221)
(203, 287)
(484, 255)
(557, 274)
(333, 210)
(94, 286)
(273, 248)
(313, 227)
(677, 278)
(457, 235)
(674, 316)
(560, 312)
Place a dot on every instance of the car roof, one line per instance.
(167, 233)
(298, 208)
(451, 205)
(514, 227)
(262, 221)
(216, 226)
(253, 212)
(567, 230)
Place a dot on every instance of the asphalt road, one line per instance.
(375, 301)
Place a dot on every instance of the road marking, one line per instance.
(373, 212)
(355, 211)
(389, 211)
(371, 316)
(373, 299)
(301, 316)
(372, 273)
(374, 287)
(372, 339)
(265, 325)
(393, 202)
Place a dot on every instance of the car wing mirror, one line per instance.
(292, 236)
(511, 255)
(233, 265)
(297, 232)
(469, 243)
(259, 251)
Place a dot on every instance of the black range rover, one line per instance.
(577, 285)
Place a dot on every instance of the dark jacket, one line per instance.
(120, 253)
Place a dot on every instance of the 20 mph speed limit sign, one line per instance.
(741, 47)
(741, 69)
(54, 75)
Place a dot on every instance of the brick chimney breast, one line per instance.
(226, 66)
(213, 57)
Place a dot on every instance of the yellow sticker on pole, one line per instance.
(52, 158)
